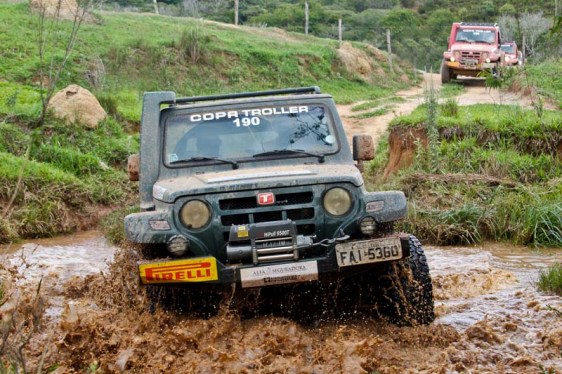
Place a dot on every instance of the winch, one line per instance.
(265, 242)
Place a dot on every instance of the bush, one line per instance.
(550, 280)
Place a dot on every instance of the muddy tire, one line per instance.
(406, 297)
(445, 73)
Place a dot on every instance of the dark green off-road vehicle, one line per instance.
(261, 191)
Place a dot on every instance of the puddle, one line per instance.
(490, 319)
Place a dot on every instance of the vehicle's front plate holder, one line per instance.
(272, 275)
(368, 251)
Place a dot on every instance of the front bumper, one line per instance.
(208, 271)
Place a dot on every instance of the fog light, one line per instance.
(368, 226)
(452, 59)
(178, 245)
(507, 59)
(488, 60)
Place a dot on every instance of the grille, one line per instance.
(252, 203)
(468, 56)
(243, 210)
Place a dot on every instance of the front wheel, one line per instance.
(406, 292)
(445, 73)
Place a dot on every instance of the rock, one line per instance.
(75, 104)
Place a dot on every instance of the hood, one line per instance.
(168, 190)
(473, 47)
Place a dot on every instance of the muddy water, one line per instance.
(55, 261)
(490, 319)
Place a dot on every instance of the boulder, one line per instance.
(75, 104)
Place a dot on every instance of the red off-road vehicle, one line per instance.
(473, 48)
(513, 56)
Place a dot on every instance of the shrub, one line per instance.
(550, 280)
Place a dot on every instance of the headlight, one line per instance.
(195, 214)
(337, 201)
(457, 55)
(485, 55)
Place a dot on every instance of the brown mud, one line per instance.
(490, 319)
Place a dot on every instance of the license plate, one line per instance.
(368, 251)
(489, 65)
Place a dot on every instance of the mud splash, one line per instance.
(491, 320)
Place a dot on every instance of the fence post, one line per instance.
(306, 17)
(236, 12)
(340, 30)
(389, 49)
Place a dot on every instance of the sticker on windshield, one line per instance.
(172, 157)
(251, 113)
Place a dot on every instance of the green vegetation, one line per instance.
(449, 90)
(491, 172)
(419, 29)
(547, 76)
(373, 113)
(550, 280)
(376, 103)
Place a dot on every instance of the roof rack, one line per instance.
(285, 91)
(479, 24)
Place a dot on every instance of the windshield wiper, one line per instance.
(320, 156)
(205, 158)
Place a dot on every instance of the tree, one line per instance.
(438, 25)
(507, 9)
(533, 25)
(50, 33)
(403, 23)
(508, 27)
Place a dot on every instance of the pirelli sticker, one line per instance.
(202, 269)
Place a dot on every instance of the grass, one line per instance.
(148, 53)
(493, 174)
(547, 77)
(449, 90)
(376, 103)
(550, 280)
(374, 113)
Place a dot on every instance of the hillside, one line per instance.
(55, 178)
(419, 29)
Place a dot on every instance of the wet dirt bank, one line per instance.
(490, 319)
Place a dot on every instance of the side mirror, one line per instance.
(133, 167)
(363, 148)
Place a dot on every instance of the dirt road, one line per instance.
(475, 92)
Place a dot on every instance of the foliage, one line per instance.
(550, 280)
(546, 78)
(494, 174)
(376, 103)
(419, 29)
(373, 113)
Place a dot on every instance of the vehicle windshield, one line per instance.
(476, 36)
(508, 48)
(248, 133)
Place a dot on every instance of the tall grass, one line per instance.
(511, 190)
(550, 280)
